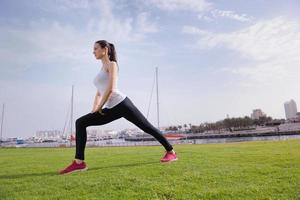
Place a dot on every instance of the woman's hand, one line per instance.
(99, 110)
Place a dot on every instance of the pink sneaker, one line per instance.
(74, 167)
(169, 157)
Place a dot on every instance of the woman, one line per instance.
(111, 104)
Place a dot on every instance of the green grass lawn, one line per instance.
(244, 170)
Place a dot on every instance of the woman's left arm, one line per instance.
(112, 71)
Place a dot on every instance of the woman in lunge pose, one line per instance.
(111, 104)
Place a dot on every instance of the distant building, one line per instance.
(290, 108)
(48, 134)
(257, 113)
(93, 133)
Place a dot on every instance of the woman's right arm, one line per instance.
(96, 101)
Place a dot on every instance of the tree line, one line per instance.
(228, 124)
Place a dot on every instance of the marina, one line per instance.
(150, 141)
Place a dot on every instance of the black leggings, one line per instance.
(124, 109)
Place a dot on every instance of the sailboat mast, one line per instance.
(71, 121)
(157, 97)
(2, 122)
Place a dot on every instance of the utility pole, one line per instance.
(71, 121)
(2, 122)
(157, 98)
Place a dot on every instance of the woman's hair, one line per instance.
(112, 55)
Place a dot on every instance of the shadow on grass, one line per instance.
(90, 169)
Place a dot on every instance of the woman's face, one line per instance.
(98, 51)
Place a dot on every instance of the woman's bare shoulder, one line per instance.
(112, 63)
(109, 65)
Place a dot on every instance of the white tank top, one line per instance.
(101, 83)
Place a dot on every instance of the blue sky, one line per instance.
(214, 58)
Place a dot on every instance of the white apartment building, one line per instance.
(290, 108)
(48, 134)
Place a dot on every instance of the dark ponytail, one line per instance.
(112, 52)
(112, 55)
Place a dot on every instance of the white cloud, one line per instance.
(62, 5)
(125, 29)
(204, 8)
(194, 30)
(42, 42)
(214, 14)
(270, 47)
(205, 18)
(54, 41)
(190, 5)
(144, 25)
(231, 15)
(261, 41)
